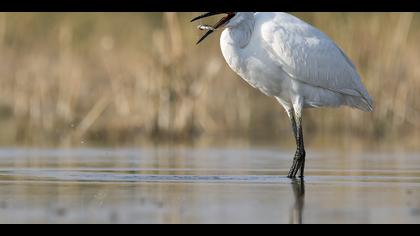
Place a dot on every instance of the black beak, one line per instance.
(208, 14)
(220, 23)
(204, 36)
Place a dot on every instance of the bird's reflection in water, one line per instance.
(298, 186)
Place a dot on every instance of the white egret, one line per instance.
(292, 61)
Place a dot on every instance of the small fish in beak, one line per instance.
(211, 29)
(206, 27)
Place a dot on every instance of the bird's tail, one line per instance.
(364, 103)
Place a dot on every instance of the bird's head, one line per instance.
(229, 16)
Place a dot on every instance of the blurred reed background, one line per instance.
(122, 78)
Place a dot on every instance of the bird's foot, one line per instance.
(298, 164)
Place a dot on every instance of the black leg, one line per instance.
(302, 168)
(294, 127)
(293, 121)
(299, 159)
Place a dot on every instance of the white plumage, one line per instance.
(289, 59)
(294, 62)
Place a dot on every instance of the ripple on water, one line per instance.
(170, 185)
(114, 176)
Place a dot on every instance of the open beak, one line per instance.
(222, 21)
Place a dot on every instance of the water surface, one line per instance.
(206, 185)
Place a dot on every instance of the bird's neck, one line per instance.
(240, 35)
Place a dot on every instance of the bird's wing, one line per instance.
(308, 55)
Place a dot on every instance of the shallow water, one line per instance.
(206, 185)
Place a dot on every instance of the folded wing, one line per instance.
(309, 56)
